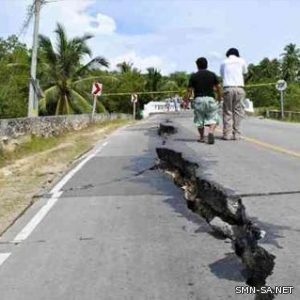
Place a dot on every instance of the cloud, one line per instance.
(166, 47)
(144, 62)
(215, 55)
(75, 17)
(104, 24)
(165, 33)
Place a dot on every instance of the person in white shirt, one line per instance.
(232, 71)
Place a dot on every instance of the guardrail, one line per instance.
(290, 115)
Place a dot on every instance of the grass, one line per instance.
(38, 163)
(33, 145)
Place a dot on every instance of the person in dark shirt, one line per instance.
(204, 84)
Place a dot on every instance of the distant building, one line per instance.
(172, 105)
(160, 107)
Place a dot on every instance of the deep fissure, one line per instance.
(223, 213)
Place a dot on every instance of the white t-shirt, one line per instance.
(232, 70)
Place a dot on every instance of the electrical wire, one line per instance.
(28, 18)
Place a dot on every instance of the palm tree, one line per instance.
(181, 78)
(266, 71)
(290, 62)
(125, 67)
(64, 71)
(154, 79)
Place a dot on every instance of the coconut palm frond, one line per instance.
(97, 61)
(83, 39)
(79, 45)
(43, 105)
(47, 48)
(80, 104)
(61, 39)
(111, 78)
(100, 108)
(18, 65)
(58, 107)
(51, 94)
(65, 72)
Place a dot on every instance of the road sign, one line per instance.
(281, 85)
(134, 98)
(97, 89)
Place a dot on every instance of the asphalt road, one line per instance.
(120, 230)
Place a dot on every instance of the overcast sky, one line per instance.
(167, 34)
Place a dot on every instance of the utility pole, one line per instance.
(33, 109)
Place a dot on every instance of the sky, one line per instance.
(166, 34)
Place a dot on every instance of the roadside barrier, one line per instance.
(290, 115)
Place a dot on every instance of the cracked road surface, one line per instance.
(117, 232)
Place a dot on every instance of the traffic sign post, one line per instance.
(281, 86)
(94, 106)
(96, 91)
(134, 99)
(281, 104)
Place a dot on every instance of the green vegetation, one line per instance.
(66, 78)
(66, 81)
(269, 71)
(14, 78)
(63, 73)
(33, 145)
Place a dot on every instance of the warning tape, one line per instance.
(170, 92)
(260, 84)
(138, 93)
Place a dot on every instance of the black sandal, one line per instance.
(211, 139)
(201, 140)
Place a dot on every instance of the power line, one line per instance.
(28, 18)
(30, 14)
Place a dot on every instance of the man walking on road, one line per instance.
(204, 84)
(232, 71)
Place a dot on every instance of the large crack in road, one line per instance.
(224, 213)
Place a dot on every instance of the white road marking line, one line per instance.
(27, 230)
(56, 193)
(69, 175)
(4, 257)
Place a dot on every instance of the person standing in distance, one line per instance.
(232, 71)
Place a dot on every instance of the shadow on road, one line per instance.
(229, 267)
